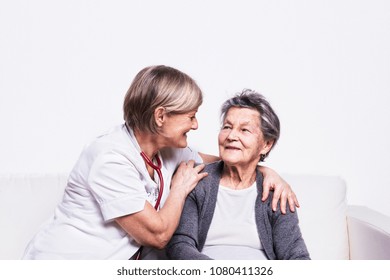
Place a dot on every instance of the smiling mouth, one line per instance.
(232, 148)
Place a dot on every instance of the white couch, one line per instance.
(331, 228)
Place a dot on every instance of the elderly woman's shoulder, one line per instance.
(214, 167)
(214, 171)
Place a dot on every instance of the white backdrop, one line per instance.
(324, 65)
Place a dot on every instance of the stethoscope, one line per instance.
(157, 168)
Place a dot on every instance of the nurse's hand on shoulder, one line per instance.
(187, 177)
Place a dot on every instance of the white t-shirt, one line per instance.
(109, 180)
(233, 232)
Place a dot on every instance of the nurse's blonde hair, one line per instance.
(156, 86)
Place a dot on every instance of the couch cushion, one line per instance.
(26, 201)
(322, 214)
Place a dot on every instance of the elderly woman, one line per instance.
(224, 217)
(120, 195)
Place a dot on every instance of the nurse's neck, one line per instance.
(148, 142)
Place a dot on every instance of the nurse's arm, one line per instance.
(155, 228)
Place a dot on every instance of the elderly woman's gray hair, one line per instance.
(269, 121)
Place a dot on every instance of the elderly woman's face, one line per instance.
(240, 140)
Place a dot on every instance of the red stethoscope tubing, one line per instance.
(161, 189)
(160, 176)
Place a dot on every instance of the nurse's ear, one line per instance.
(159, 116)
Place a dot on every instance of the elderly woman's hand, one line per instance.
(282, 190)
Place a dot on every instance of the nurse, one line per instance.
(121, 200)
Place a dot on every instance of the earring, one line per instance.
(262, 157)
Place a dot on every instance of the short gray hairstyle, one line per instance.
(156, 86)
(269, 121)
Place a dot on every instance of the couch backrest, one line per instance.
(322, 214)
(26, 202)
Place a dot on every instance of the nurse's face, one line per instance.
(176, 126)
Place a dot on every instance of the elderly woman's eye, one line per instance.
(225, 127)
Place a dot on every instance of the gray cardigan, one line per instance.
(279, 233)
